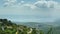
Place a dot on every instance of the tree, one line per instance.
(34, 31)
(41, 32)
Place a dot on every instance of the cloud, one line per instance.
(13, 3)
(46, 4)
(37, 4)
(29, 5)
(9, 2)
(41, 6)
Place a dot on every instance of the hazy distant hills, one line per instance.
(44, 26)
(35, 24)
(39, 25)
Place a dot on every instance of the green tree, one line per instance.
(41, 32)
(34, 31)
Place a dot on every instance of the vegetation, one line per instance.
(7, 27)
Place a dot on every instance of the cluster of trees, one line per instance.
(12, 28)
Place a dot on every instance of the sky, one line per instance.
(30, 10)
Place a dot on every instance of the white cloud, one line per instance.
(13, 3)
(23, 8)
(46, 4)
(9, 2)
(29, 5)
(37, 6)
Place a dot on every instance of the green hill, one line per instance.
(8, 27)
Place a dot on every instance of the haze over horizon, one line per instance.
(27, 18)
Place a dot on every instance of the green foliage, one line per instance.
(34, 31)
(49, 31)
(41, 32)
(16, 27)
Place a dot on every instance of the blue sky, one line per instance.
(30, 10)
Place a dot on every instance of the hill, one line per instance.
(8, 27)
